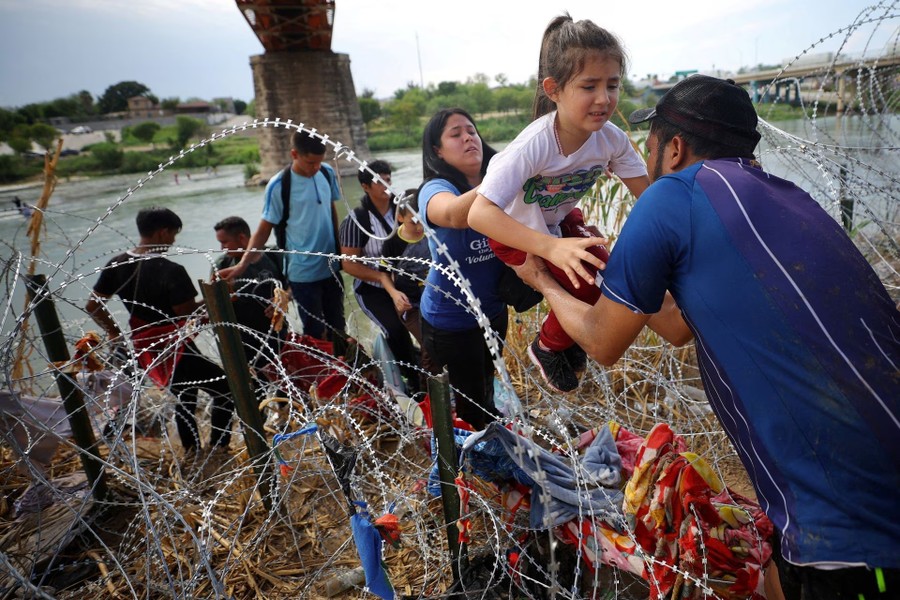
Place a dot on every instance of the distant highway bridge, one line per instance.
(836, 73)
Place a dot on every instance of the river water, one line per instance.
(90, 220)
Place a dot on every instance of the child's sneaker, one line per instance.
(577, 358)
(554, 367)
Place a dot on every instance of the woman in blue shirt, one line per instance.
(454, 161)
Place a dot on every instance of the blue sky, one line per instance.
(201, 48)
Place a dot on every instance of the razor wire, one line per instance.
(194, 526)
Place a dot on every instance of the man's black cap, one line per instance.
(717, 110)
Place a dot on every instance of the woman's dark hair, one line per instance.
(152, 219)
(564, 48)
(435, 167)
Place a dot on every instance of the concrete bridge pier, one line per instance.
(314, 87)
(841, 81)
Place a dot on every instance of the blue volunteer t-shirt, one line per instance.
(443, 304)
(310, 227)
(798, 344)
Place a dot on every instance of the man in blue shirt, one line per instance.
(797, 339)
(311, 234)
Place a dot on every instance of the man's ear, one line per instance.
(677, 153)
(550, 88)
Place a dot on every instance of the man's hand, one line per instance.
(534, 272)
(234, 272)
(401, 301)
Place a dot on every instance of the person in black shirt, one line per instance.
(158, 295)
(252, 294)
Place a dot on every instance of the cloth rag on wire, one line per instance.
(562, 489)
(368, 546)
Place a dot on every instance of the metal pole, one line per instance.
(448, 465)
(58, 352)
(845, 200)
(234, 361)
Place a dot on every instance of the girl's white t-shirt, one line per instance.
(537, 186)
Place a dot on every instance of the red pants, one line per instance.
(552, 334)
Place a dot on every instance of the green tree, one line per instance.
(447, 88)
(109, 156)
(8, 120)
(239, 107)
(506, 99)
(403, 114)
(501, 79)
(19, 138)
(370, 109)
(86, 100)
(186, 128)
(526, 99)
(482, 96)
(33, 112)
(45, 135)
(170, 103)
(115, 98)
(145, 131)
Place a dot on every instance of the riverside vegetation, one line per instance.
(502, 112)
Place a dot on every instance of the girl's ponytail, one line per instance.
(542, 104)
(564, 48)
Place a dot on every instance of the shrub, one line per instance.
(109, 156)
(139, 162)
(13, 168)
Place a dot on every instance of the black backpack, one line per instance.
(280, 258)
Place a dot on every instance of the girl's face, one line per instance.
(460, 145)
(588, 100)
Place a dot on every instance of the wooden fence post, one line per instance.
(448, 465)
(44, 310)
(234, 361)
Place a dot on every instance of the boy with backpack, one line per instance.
(307, 215)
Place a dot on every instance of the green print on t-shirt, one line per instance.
(550, 192)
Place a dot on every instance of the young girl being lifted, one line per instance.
(526, 203)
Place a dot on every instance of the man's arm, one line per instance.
(604, 330)
(257, 241)
(670, 324)
(96, 308)
(366, 273)
(636, 185)
(361, 271)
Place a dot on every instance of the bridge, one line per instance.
(839, 73)
(290, 25)
(299, 77)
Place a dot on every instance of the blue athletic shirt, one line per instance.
(477, 263)
(798, 343)
(310, 227)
